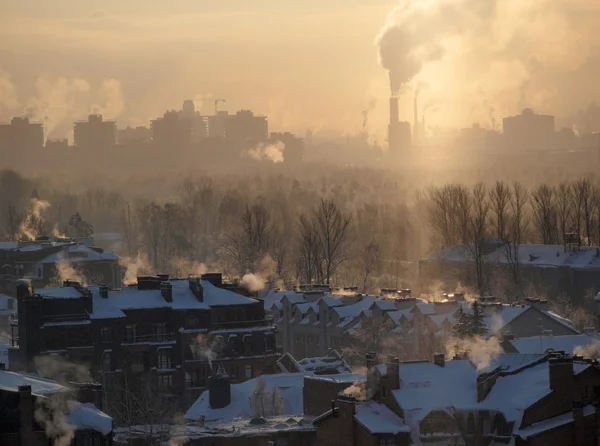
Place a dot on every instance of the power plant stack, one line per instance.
(399, 138)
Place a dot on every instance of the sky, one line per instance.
(312, 64)
(309, 64)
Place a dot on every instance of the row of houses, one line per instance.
(311, 323)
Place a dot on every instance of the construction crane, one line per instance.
(217, 105)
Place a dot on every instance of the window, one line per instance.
(130, 333)
(248, 371)
(383, 392)
(584, 393)
(470, 424)
(318, 317)
(137, 365)
(387, 441)
(164, 382)
(192, 321)
(164, 358)
(159, 331)
(106, 334)
(310, 340)
(106, 362)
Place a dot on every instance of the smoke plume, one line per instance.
(480, 352)
(253, 282)
(33, 221)
(271, 152)
(135, 266)
(204, 349)
(66, 271)
(494, 54)
(51, 412)
(9, 100)
(591, 351)
(359, 391)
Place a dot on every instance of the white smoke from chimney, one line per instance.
(253, 282)
(271, 152)
(9, 100)
(28, 228)
(66, 271)
(481, 352)
(140, 264)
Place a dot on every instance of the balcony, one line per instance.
(73, 317)
(151, 338)
(232, 325)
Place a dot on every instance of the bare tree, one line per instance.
(544, 213)
(333, 229)
(500, 196)
(585, 202)
(564, 208)
(370, 258)
(517, 224)
(477, 234)
(309, 250)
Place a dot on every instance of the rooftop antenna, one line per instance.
(217, 105)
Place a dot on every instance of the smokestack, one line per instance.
(415, 120)
(394, 115)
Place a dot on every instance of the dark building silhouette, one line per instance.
(135, 135)
(294, 146)
(198, 124)
(399, 138)
(171, 130)
(528, 131)
(95, 133)
(246, 126)
(21, 135)
(216, 125)
(57, 144)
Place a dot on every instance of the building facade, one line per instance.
(95, 133)
(174, 333)
(528, 131)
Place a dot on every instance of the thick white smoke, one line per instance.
(480, 59)
(30, 226)
(270, 152)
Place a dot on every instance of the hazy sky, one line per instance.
(310, 63)
(305, 64)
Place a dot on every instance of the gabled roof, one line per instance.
(377, 418)
(568, 344)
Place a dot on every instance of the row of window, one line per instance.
(163, 361)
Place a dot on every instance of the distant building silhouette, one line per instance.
(399, 135)
(245, 126)
(528, 131)
(95, 133)
(134, 135)
(198, 124)
(21, 135)
(294, 146)
(216, 125)
(171, 130)
(57, 144)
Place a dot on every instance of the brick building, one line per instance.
(516, 399)
(36, 261)
(38, 412)
(169, 331)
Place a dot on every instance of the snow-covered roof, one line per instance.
(80, 253)
(386, 304)
(377, 418)
(39, 386)
(290, 388)
(273, 297)
(4, 307)
(549, 256)
(425, 386)
(331, 301)
(333, 359)
(552, 423)
(512, 394)
(567, 344)
(87, 416)
(130, 298)
(428, 308)
(397, 315)
(511, 362)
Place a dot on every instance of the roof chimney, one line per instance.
(439, 359)
(103, 290)
(196, 288)
(166, 289)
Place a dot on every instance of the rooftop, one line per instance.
(377, 418)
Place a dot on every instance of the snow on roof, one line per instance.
(567, 343)
(87, 416)
(8, 245)
(512, 394)
(65, 292)
(386, 304)
(290, 387)
(274, 297)
(304, 308)
(511, 362)
(340, 377)
(4, 300)
(130, 298)
(377, 418)
(538, 255)
(333, 359)
(558, 318)
(80, 253)
(397, 315)
(427, 308)
(332, 301)
(551, 423)
(425, 386)
(39, 386)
